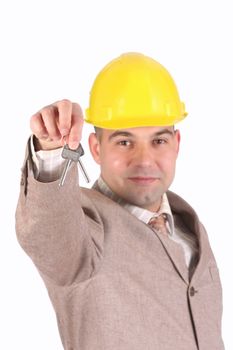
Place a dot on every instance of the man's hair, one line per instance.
(98, 132)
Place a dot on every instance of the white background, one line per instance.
(54, 49)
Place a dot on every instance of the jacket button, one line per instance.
(192, 291)
(22, 182)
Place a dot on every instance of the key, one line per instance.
(72, 156)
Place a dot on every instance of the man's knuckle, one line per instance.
(77, 111)
(32, 122)
(65, 103)
(47, 112)
(34, 118)
(35, 123)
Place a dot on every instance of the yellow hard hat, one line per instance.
(134, 90)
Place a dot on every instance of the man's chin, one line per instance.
(146, 202)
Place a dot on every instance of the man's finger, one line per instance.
(37, 126)
(50, 117)
(76, 126)
(64, 108)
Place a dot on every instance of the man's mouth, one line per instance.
(142, 180)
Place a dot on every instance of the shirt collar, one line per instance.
(141, 213)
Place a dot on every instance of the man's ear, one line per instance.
(177, 136)
(94, 146)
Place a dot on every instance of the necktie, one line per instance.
(158, 224)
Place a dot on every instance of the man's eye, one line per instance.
(124, 143)
(160, 141)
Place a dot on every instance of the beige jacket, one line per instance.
(114, 283)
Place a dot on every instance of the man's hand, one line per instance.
(56, 121)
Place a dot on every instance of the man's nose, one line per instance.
(143, 157)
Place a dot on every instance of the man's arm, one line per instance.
(52, 228)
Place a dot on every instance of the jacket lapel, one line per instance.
(176, 255)
(191, 220)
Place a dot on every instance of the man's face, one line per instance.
(138, 164)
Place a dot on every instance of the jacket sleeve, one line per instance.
(58, 227)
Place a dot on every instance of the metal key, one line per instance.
(72, 155)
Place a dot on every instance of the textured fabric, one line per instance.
(113, 284)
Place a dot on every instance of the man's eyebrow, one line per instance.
(120, 133)
(165, 131)
(128, 134)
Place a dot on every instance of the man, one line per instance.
(127, 264)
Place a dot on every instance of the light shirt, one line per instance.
(48, 166)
